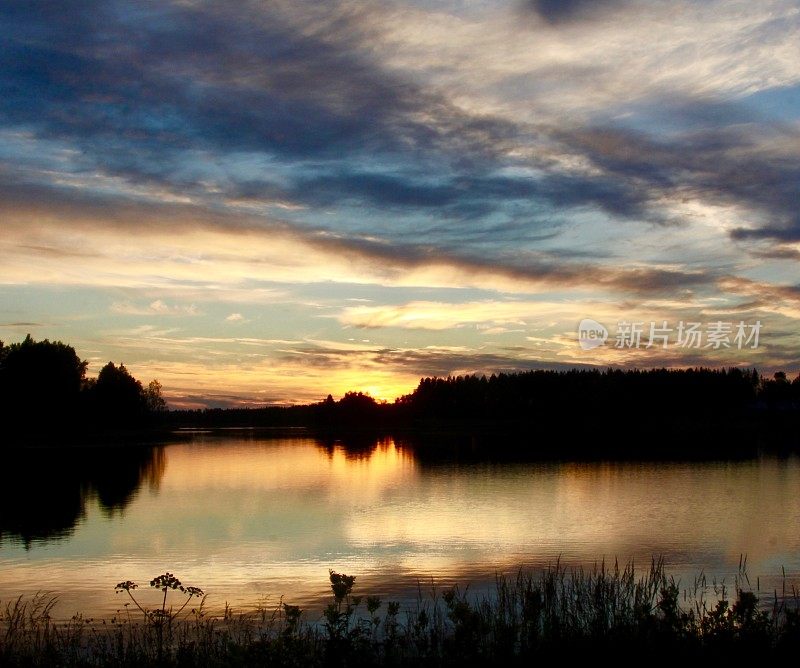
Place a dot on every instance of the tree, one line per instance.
(119, 397)
(153, 400)
(40, 378)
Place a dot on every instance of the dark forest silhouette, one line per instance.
(691, 413)
(44, 392)
(542, 394)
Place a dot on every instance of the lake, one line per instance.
(252, 519)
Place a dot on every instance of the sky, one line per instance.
(266, 202)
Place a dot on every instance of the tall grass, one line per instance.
(605, 612)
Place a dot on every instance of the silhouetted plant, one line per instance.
(338, 615)
(161, 618)
(292, 614)
(165, 583)
(554, 615)
(373, 605)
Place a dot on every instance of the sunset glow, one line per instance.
(261, 203)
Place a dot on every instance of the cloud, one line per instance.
(438, 316)
(744, 165)
(788, 233)
(224, 259)
(269, 86)
(125, 243)
(765, 297)
(300, 97)
(157, 307)
(777, 253)
(194, 401)
(442, 363)
(559, 11)
(243, 96)
(412, 363)
(464, 170)
(235, 317)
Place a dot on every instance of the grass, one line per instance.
(606, 612)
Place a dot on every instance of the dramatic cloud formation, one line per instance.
(556, 11)
(428, 187)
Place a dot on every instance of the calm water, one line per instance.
(254, 519)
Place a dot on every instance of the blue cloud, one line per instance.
(164, 95)
(558, 11)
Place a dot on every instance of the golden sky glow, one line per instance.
(349, 196)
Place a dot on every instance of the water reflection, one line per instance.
(245, 517)
(46, 492)
(355, 446)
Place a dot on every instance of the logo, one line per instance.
(591, 334)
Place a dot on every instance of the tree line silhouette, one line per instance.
(612, 412)
(696, 392)
(541, 395)
(44, 392)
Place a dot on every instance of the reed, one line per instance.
(609, 611)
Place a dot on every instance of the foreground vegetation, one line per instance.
(604, 613)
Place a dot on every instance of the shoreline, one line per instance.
(547, 613)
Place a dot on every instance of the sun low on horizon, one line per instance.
(269, 202)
